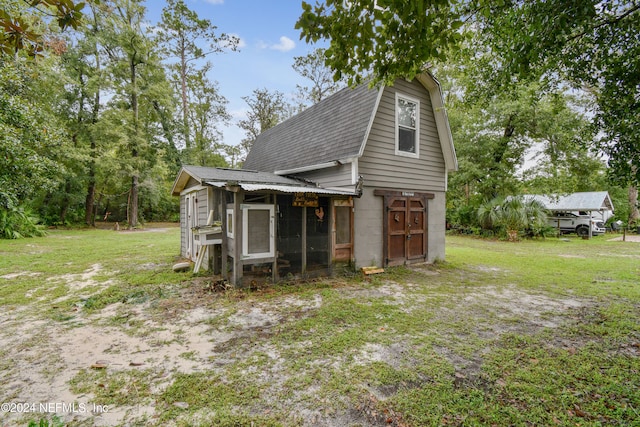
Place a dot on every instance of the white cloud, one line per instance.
(285, 45)
(214, 1)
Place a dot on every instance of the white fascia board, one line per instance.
(306, 168)
(371, 119)
(193, 189)
(442, 121)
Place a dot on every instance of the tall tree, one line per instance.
(590, 43)
(266, 109)
(32, 142)
(134, 64)
(497, 125)
(313, 68)
(208, 109)
(188, 39)
(81, 66)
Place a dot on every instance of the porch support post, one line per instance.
(304, 241)
(274, 267)
(238, 197)
(224, 247)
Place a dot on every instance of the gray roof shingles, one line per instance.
(330, 130)
(208, 174)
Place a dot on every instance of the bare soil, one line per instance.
(185, 334)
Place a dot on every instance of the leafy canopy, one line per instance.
(385, 38)
(22, 33)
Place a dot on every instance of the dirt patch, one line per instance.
(205, 331)
(635, 238)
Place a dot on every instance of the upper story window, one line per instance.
(407, 126)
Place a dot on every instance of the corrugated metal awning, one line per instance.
(583, 201)
(296, 189)
(287, 188)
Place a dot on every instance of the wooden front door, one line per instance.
(342, 230)
(405, 227)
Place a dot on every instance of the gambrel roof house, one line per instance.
(358, 179)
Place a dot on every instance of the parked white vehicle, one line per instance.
(569, 222)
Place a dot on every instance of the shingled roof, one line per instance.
(331, 130)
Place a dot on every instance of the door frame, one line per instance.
(191, 214)
(389, 196)
(342, 252)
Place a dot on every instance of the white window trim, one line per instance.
(230, 229)
(399, 152)
(245, 230)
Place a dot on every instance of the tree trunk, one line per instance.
(634, 214)
(65, 202)
(185, 102)
(133, 211)
(133, 196)
(90, 199)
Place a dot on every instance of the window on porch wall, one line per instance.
(258, 231)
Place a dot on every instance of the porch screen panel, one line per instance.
(343, 225)
(259, 228)
(318, 237)
(289, 237)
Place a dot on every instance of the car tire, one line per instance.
(582, 231)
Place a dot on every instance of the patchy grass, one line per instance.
(87, 268)
(532, 333)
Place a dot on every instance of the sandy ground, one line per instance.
(628, 238)
(41, 358)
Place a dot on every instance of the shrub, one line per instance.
(513, 217)
(16, 223)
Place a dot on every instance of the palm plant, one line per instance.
(512, 216)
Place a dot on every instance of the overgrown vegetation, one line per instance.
(513, 217)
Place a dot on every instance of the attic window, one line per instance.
(407, 126)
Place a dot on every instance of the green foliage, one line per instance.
(187, 38)
(590, 44)
(43, 422)
(515, 137)
(513, 217)
(25, 34)
(312, 67)
(389, 40)
(16, 223)
(266, 109)
(29, 135)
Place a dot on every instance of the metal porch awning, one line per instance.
(291, 189)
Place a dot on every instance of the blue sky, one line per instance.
(268, 44)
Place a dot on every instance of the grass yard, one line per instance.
(95, 329)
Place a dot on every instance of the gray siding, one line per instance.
(382, 168)
(368, 230)
(369, 223)
(437, 227)
(333, 177)
(203, 206)
(183, 228)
